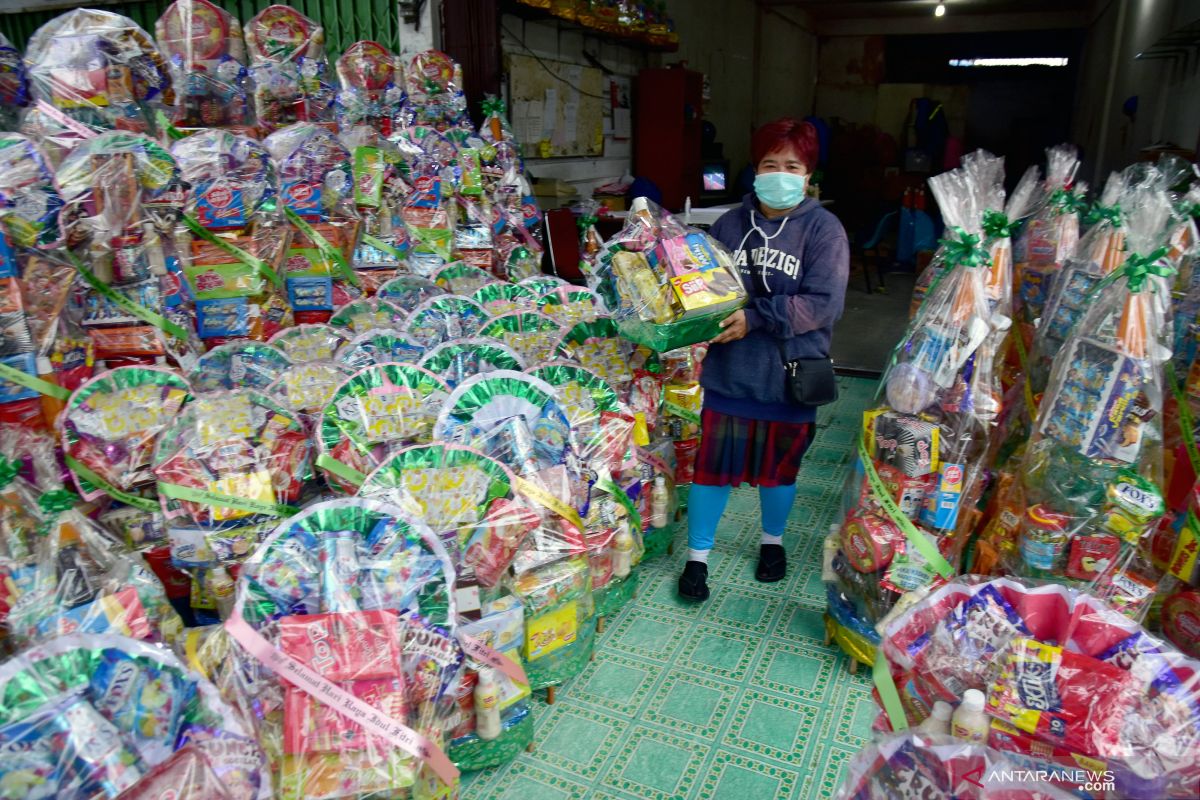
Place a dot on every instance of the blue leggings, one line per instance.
(706, 504)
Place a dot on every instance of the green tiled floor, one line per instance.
(733, 699)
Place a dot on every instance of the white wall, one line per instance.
(553, 41)
(1168, 91)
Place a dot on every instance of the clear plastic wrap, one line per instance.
(1068, 679)
(111, 425)
(916, 764)
(533, 336)
(1100, 252)
(342, 651)
(499, 298)
(462, 278)
(374, 413)
(238, 364)
(230, 459)
(368, 314)
(668, 285)
(910, 499)
(105, 715)
(442, 318)
(599, 346)
(305, 343)
(601, 425)
(573, 306)
(372, 88)
(459, 359)
(1051, 234)
(1092, 471)
(291, 77)
(14, 85)
(410, 291)
(379, 346)
(123, 194)
(317, 188)
(207, 55)
(83, 581)
(100, 69)
(435, 90)
(237, 237)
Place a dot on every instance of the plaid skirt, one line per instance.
(734, 450)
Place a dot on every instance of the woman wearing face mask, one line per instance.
(794, 261)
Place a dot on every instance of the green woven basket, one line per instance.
(477, 754)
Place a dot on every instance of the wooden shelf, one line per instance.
(542, 15)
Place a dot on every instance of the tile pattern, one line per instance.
(733, 699)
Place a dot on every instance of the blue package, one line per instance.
(304, 198)
(142, 699)
(11, 392)
(219, 205)
(31, 763)
(310, 294)
(226, 317)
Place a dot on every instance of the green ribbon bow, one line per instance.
(1101, 213)
(586, 221)
(57, 501)
(1064, 201)
(1189, 210)
(964, 250)
(493, 106)
(8, 471)
(1138, 268)
(998, 226)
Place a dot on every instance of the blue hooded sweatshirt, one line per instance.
(794, 269)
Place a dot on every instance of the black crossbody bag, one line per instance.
(810, 381)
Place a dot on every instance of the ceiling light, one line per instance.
(940, 11)
(1009, 62)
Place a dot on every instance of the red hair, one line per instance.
(784, 132)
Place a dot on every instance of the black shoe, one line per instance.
(693, 582)
(772, 563)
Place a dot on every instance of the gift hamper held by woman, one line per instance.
(769, 368)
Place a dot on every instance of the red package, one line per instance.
(685, 461)
(186, 775)
(1091, 555)
(176, 582)
(869, 541)
(310, 726)
(1063, 698)
(351, 646)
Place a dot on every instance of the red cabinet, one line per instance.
(667, 144)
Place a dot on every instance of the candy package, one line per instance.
(446, 317)
(599, 346)
(409, 291)
(531, 335)
(99, 68)
(669, 286)
(103, 715)
(288, 68)
(14, 85)
(601, 426)
(434, 90)
(207, 55)
(499, 298)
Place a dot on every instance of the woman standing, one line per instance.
(794, 260)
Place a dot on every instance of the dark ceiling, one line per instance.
(859, 9)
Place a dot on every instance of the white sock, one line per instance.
(769, 539)
(698, 555)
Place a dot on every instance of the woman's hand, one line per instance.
(734, 328)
